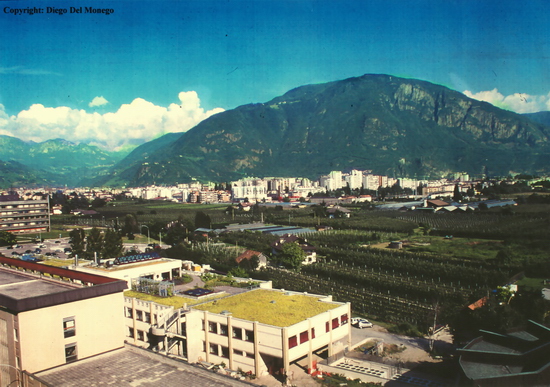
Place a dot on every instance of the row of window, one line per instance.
(222, 351)
(237, 333)
(305, 335)
(140, 315)
(140, 335)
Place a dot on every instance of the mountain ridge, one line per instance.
(394, 126)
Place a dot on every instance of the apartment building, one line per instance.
(24, 216)
(51, 316)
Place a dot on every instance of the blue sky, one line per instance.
(232, 52)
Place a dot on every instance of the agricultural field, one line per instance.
(433, 273)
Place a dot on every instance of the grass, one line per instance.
(531, 283)
(269, 307)
(469, 248)
(176, 301)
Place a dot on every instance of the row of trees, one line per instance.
(96, 244)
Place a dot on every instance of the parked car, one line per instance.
(361, 323)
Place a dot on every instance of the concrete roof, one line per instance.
(132, 366)
(27, 286)
(21, 286)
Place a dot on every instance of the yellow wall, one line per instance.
(99, 326)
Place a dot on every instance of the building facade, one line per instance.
(51, 316)
(24, 216)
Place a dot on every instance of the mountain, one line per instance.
(54, 162)
(393, 126)
(126, 169)
(540, 117)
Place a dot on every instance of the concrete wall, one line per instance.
(99, 327)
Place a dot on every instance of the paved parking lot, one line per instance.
(55, 248)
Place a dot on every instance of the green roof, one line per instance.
(270, 307)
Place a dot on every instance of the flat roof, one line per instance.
(27, 286)
(131, 366)
(272, 307)
(21, 286)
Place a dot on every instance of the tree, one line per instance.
(112, 246)
(77, 241)
(291, 255)
(238, 272)
(457, 195)
(7, 238)
(94, 243)
(130, 225)
(202, 220)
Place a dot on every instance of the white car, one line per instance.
(361, 323)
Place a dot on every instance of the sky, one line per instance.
(146, 68)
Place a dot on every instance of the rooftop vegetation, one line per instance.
(269, 307)
(176, 301)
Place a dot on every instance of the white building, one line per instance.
(253, 189)
(262, 338)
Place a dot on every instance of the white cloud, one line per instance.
(132, 124)
(98, 101)
(517, 102)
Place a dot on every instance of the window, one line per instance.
(139, 315)
(250, 355)
(335, 323)
(312, 333)
(238, 352)
(292, 342)
(249, 335)
(237, 333)
(15, 334)
(131, 332)
(129, 312)
(140, 335)
(70, 353)
(225, 352)
(327, 326)
(223, 329)
(69, 329)
(304, 337)
(344, 319)
(213, 349)
(147, 317)
(212, 327)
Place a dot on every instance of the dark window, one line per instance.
(129, 313)
(212, 327)
(147, 317)
(312, 333)
(335, 323)
(237, 333)
(139, 315)
(69, 327)
(70, 353)
(344, 319)
(223, 329)
(327, 326)
(292, 342)
(214, 349)
(303, 337)
(141, 335)
(249, 335)
(237, 352)
(131, 332)
(225, 352)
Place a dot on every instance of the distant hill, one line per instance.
(126, 169)
(54, 162)
(393, 126)
(540, 117)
